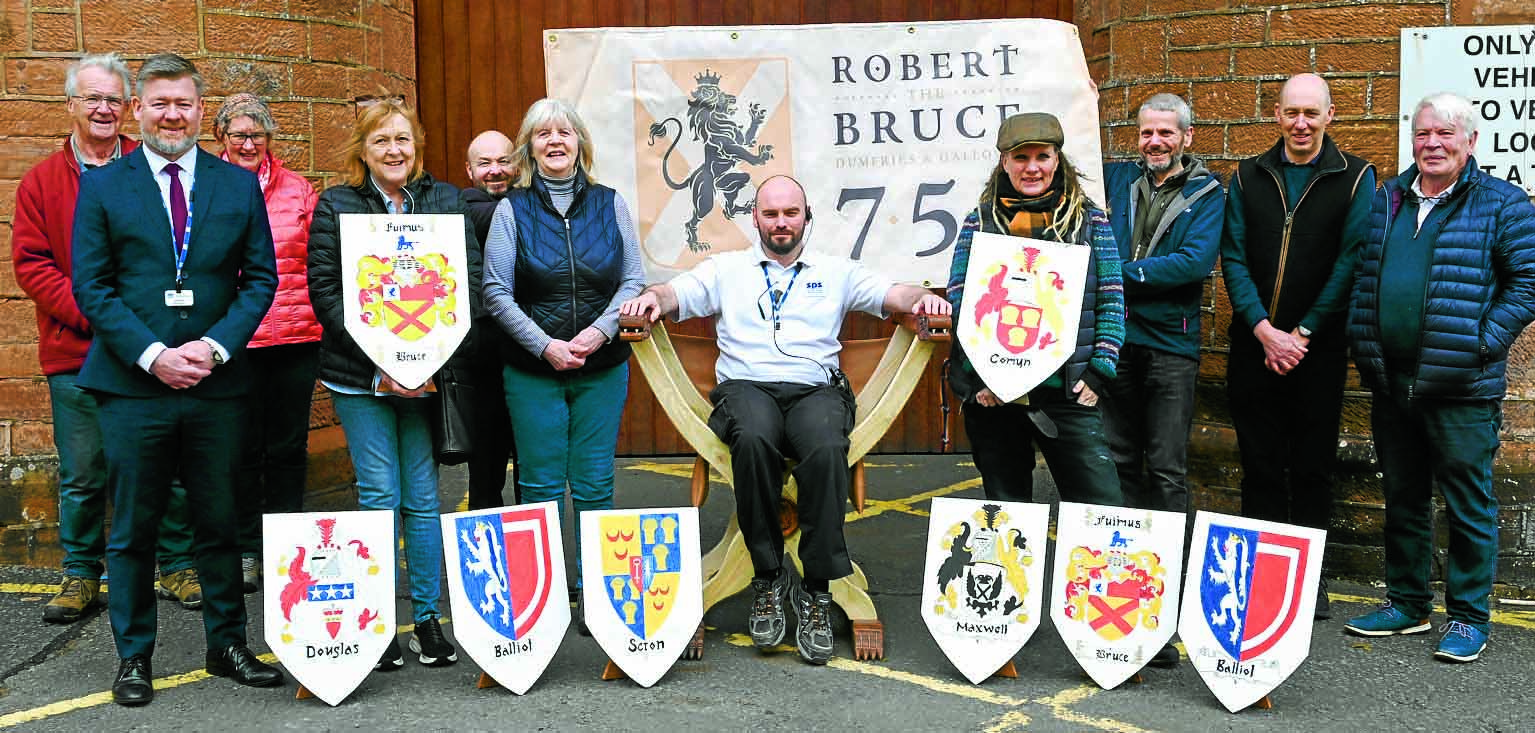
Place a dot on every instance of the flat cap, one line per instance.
(1030, 127)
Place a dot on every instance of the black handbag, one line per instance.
(452, 431)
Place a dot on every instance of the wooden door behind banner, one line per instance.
(480, 63)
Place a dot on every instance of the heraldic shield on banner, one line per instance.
(1247, 603)
(506, 581)
(1018, 321)
(328, 597)
(1114, 588)
(983, 584)
(643, 586)
(405, 287)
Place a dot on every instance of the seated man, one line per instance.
(781, 394)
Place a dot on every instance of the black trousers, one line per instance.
(150, 442)
(493, 445)
(765, 423)
(1003, 440)
(1147, 414)
(1287, 431)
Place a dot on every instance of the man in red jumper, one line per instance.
(97, 87)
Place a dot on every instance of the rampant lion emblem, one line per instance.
(725, 146)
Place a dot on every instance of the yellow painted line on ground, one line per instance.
(1010, 720)
(102, 698)
(679, 470)
(43, 588)
(1060, 707)
(1517, 619)
(874, 508)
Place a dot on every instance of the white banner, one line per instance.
(891, 127)
(1490, 65)
(405, 290)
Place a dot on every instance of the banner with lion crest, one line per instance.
(891, 127)
(405, 290)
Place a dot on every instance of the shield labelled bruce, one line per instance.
(506, 582)
(405, 288)
(1247, 603)
(982, 585)
(1018, 320)
(328, 598)
(642, 586)
(1114, 588)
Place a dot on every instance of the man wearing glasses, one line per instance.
(41, 245)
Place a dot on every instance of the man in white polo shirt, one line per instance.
(781, 395)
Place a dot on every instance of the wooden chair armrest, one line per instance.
(927, 328)
(633, 328)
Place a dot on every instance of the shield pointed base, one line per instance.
(695, 648)
(485, 682)
(1008, 670)
(303, 693)
(868, 640)
(612, 672)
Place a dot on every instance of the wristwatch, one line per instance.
(1306, 332)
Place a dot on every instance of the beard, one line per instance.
(780, 249)
(167, 148)
(1173, 158)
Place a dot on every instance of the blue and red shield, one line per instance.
(1251, 587)
(507, 567)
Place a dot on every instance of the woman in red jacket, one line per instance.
(286, 348)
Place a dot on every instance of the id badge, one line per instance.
(178, 299)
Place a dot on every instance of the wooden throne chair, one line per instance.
(883, 373)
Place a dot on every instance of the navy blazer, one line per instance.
(124, 261)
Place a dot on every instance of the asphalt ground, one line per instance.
(57, 678)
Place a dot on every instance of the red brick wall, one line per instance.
(1229, 59)
(309, 58)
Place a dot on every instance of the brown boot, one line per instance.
(182, 587)
(76, 596)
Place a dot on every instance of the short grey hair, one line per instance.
(240, 105)
(1165, 102)
(108, 62)
(1450, 107)
(168, 66)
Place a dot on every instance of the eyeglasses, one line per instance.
(96, 101)
(238, 139)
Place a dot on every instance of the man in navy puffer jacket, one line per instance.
(1446, 283)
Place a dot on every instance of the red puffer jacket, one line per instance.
(290, 201)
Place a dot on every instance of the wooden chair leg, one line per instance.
(858, 492)
(700, 482)
(715, 557)
(695, 648)
(735, 571)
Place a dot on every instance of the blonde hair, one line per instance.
(1070, 213)
(540, 114)
(354, 172)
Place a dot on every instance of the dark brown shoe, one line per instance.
(238, 663)
(76, 596)
(182, 587)
(134, 684)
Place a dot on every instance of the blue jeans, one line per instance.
(83, 489)
(390, 439)
(566, 429)
(1451, 444)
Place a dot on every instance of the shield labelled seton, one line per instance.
(1114, 588)
(642, 586)
(405, 290)
(1018, 320)
(506, 582)
(328, 597)
(1248, 600)
(982, 585)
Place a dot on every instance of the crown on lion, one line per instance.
(708, 77)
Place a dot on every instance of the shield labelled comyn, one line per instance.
(328, 597)
(642, 586)
(506, 583)
(1018, 321)
(1114, 588)
(1248, 601)
(982, 586)
(405, 290)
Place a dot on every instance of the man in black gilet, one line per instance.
(1295, 218)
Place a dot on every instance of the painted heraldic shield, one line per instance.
(1023, 298)
(405, 286)
(329, 596)
(1114, 588)
(1247, 603)
(506, 580)
(982, 586)
(642, 586)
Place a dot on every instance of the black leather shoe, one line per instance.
(238, 663)
(133, 685)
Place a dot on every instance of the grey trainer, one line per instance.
(813, 637)
(766, 622)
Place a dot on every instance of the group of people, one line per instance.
(181, 376)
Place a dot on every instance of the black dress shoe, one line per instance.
(133, 685)
(238, 663)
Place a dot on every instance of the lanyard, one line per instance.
(180, 248)
(778, 299)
